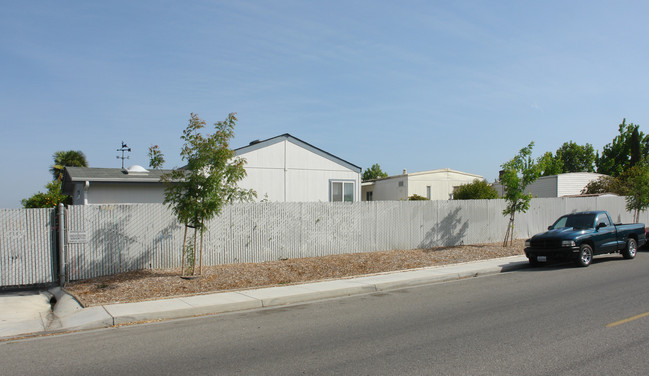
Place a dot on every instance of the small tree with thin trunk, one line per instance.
(198, 192)
(637, 183)
(517, 174)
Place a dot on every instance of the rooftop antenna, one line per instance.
(124, 149)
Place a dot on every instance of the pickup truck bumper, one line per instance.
(562, 253)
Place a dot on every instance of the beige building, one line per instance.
(433, 185)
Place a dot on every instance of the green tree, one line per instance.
(570, 157)
(477, 190)
(156, 158)
(627, 149)
(606, 184)
(63, 159)
(416, 197)
(549, 164)
(576, 158)
(198, 192)
(518, 173)
(49, 199)
(374, 172)
(636, 180)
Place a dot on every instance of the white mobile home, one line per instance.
(433, 185)
(569, 184)
(287, 169)
(282, 168)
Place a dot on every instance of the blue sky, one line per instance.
(418, 85)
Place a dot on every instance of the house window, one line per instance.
(428, 192)
(342, 191)
(368, 196)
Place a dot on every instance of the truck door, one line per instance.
(606, 236)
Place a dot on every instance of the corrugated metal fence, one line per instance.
(27, 247)
(110, 239)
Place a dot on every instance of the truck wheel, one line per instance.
(585, 255)
(631, 249)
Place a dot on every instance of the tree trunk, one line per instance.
(182, 270)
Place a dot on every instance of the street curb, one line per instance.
(69, 315)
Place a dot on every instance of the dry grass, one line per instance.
(157, 284)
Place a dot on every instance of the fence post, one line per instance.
(61, 245)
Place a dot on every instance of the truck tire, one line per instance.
(585, 255)
(631, 249)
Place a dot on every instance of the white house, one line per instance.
(89, 185)
(433, 185)
(285, 168)
(282, 168)
(569, 184)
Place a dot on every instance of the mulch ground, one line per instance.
(165, 283)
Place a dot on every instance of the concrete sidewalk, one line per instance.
(29, 313)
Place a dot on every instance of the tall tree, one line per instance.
(63, 159)
(570, 157)
(627, 149)
(549, 164)
(374, 172)
(197, 193)
(576, 158)
(518, 173)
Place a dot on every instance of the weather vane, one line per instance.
(123, 149)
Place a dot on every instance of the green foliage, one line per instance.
(477, 190)
(62, 159)
(637, 183)
(549, 164)
(628, 148)
(570, 157)
(374, 172)
(518, 173)
(49, 199)
(156, 158)
(577, 158)
(416, 197)
(197, 193)
(606, 184)
(210, 178)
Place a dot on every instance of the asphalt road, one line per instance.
(554, 320)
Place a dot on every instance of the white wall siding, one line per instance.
(286, 172)
(125, 193)
(544, 187)
(573, 183)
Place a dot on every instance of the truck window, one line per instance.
(577, 221)
(603, 218)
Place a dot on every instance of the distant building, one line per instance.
(282, 168)
(433, 185)
(569, 184)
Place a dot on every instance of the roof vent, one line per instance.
(254, 142)
(137, 170)
(405, 172)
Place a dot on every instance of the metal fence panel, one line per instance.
(27, 247)
(110, 239)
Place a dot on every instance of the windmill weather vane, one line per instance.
(123, 149)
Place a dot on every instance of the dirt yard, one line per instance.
(157, 284)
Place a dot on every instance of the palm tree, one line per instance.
(62, 159)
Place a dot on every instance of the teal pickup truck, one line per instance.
(580, 236)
